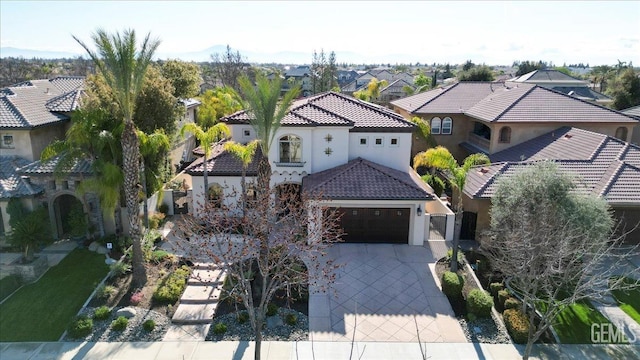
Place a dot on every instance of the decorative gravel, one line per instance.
(487, 331)
(236, 331)
(134, 332)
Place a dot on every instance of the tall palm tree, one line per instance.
(123, 67)
(150, 145)
(207, 138)
(266, 113)
(440, 158)
(244, 153)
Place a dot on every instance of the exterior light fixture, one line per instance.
(419, 211)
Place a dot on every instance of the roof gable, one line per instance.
(11, 183)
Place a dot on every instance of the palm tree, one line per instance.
(244, 153)
(150, 145)
(123, 67)
(440, 158)
(266, 113)
(207, 138)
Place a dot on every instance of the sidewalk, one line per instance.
(305, 350)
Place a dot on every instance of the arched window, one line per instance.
(290, 149)
(621, 133)
(447, 126)
(436, 125)
(505, 135)
(215, 194)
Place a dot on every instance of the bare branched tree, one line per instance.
(553, 245)
(278, 246)
(228, 67)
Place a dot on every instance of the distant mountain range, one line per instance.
(282, 57)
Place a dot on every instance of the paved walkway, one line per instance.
(306, 350)
(383, 292)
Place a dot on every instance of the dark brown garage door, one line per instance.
(373, 225)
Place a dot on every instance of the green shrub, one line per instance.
(503, 295)
(80, 327)
(479, 303)
(243, 317)
(155, 220)
(149, 325)
(120, 323)
(102, 313)
(103, 291)
(291, 319)
(517, 325)
(164, 208)
(272, 309)
(452, 284)
(172, 286)
(495, 287)
(219, 328)
(120, 268)
(158, 256)
(512, 303)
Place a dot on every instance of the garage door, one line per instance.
(375, 225)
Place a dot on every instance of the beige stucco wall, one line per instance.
(482, 208)
(29, 144)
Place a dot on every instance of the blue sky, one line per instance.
(595, 32)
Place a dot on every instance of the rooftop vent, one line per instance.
(483, 170)
(568, 136)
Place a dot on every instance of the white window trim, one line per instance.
(375, 140)
(289, 140)
(450, 127)
(439, 126)
(366, 141)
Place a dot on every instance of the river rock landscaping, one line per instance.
(280, 327)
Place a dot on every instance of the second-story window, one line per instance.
(436, 125)
(290, 149)
(447, 126)
(505, 135)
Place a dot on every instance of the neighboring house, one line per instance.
(471, 117)
(395, 90)
(362, 80)
(346, 76)
(561, 82)
(635, 112)
(301, 76)
(182, 151)
(602, 165)
(356, 154)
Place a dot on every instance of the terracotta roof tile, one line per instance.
(48, 167)
(601, 164)
(223, 163)
(365, 180)
(11, 183)
(333, 109)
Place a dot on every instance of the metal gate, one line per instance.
(180, 202)
(437, 226)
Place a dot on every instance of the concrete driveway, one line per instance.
(383, 292)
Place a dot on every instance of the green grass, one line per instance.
(42, 311)
(573, 324)
(629, 300)
(8, 285)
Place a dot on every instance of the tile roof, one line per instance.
(365, 180)
(223, 163)
(602, 165)
(38, 102)
(546, 75)
(581, 92)
(334, 109)
(523, 102)
(633, 111)
(190, 102)
(48, 167)
(11, 183)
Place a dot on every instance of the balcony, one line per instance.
(479, 141)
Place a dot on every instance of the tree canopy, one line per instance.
(625, 89)
(185, 78)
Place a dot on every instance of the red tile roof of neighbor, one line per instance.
(334, 109)
(601, 164)
(223, 163)
(360, 179)
(493, 102)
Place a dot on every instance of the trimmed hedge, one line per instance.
(503, 295)
(102, 313)
(452, 284)
(517, 325)
(120, 323)
(80, 327)
(479, 303)
(495, 287)
(512, 303)
(171, 287)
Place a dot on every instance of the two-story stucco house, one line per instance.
(356, 154)
(471, 117)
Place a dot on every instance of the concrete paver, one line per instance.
(183, 332)
(383, 292)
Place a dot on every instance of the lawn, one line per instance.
(573, 324)
(629, 300)
(43, 310)
(8, 285)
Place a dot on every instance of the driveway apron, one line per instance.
(383, 292)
